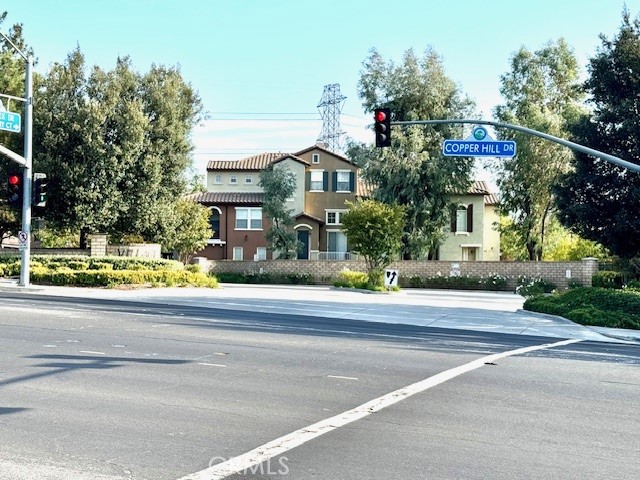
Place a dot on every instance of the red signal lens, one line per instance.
(380, 116)
(14, 179)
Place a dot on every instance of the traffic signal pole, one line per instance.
(28, 157)
(26, 162)
(572, 145)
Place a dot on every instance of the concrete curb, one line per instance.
(604, 331)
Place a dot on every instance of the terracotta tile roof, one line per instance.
(254, 162)
(491, 199)
(364, 188)
(228, 198)
(323, 149)
(306, 215)
(479, 187)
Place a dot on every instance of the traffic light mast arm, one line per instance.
(572, 145)
(12, 155)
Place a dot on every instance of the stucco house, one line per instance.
(472, 232)
(324, 182)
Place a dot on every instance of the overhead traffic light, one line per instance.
(382, 127)
(39, 198)
(15, 189)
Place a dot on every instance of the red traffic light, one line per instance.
(380, 116)
(14, 179)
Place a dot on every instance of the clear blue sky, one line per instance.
(275, 56)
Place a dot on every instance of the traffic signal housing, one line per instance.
(382, 127)
(15, 189)
(39, 198)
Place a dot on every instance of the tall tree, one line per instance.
(413, 172)
(599, 200)
(541, 92)
(278, 184)
(116, 145)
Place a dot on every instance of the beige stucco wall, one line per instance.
(491, 234)
(298, 169)
(317, 203)
(241, 186)
(451, 248)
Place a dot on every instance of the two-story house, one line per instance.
(324, 181)
(472, 234)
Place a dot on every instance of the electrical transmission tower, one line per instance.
(330, 107)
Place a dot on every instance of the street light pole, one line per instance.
(27, 176)
(25, 161)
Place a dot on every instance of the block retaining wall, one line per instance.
(325, 272)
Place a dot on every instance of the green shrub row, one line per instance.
(592, 306)
(95, 263)
(463, 282)
(350, 279)
(266, 278)
(112, 278)
(608, 279)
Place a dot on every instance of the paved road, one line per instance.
(97, 389)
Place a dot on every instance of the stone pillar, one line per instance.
(589, 268)
(98, 244)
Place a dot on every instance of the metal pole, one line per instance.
(28, 156)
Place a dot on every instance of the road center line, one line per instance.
(294, 439)
(341, 377)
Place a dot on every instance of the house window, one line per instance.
(261, 253)
(248, 179)
(461, 219)
(217, 179)
(315, 158)
(233, 179)
(343, 181)
(248, 218)
(317, 180)
(214, 222)
(334, 217)
(238, 253)
(336, 245)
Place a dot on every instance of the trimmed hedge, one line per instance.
(603, 307)
(608, 279)
(112, 278)
(266, 278)
(77, 262)
(108, 271)
(463, 282)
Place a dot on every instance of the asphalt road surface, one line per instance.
(97, 389)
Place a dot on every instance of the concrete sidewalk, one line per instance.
(468, 310)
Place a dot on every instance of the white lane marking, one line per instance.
(92, 353)
(50, 346)
(212, 364)
(287, 442)
(341, 377)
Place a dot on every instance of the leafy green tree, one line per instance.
(413, 172)
(374, 230)
(116, 145)
(278, 184)
(599, 200)
(188, 230)
(540, 92)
